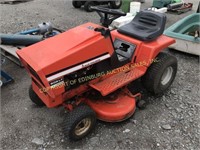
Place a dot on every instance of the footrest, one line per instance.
(112, 83)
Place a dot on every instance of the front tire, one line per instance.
(34, 97)
(87, 6)
(115, 4)
(76, 4)
(160, 74)
(79, 122)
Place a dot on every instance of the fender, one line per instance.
(149, 50)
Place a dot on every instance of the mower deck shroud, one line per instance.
(115, 110)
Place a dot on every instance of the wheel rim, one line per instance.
(83, 126)
(167, 75)
(117, 2)
(90, 5)
(1, 83)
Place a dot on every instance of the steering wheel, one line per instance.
(108, 11)
(105, 19)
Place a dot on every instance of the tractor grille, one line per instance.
(40, 87)
(32, 71)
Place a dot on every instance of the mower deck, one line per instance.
(115, 110)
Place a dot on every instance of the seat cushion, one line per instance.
(146, 26)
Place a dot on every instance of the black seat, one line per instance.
(146, 26)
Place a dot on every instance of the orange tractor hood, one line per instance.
(74, 46)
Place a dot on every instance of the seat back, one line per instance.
(150, 19)
(146, 26)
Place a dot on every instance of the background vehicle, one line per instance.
(114, 4)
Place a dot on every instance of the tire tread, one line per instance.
(75, 116)
(149, 80)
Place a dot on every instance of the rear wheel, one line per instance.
(160, 74)
(116, 4)
(34, 98)
(76, 4)
(79, 122)
(87, 6)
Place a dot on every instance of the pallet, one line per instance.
(13, 1)
(10, 52)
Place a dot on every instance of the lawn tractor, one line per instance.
(114, 4)
(89, 69)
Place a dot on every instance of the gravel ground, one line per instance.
(170, 121)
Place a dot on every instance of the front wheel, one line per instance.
(116, 4)
(79, 122)
(160, 74)
(35, 98)
(76, 4)
(87, 6)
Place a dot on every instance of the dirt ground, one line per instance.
(170, 121)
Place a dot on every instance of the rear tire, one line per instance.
(76, 4)
(79, 122)
(87, 6)
(34, 97)
(115, 4)
(160, 74)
